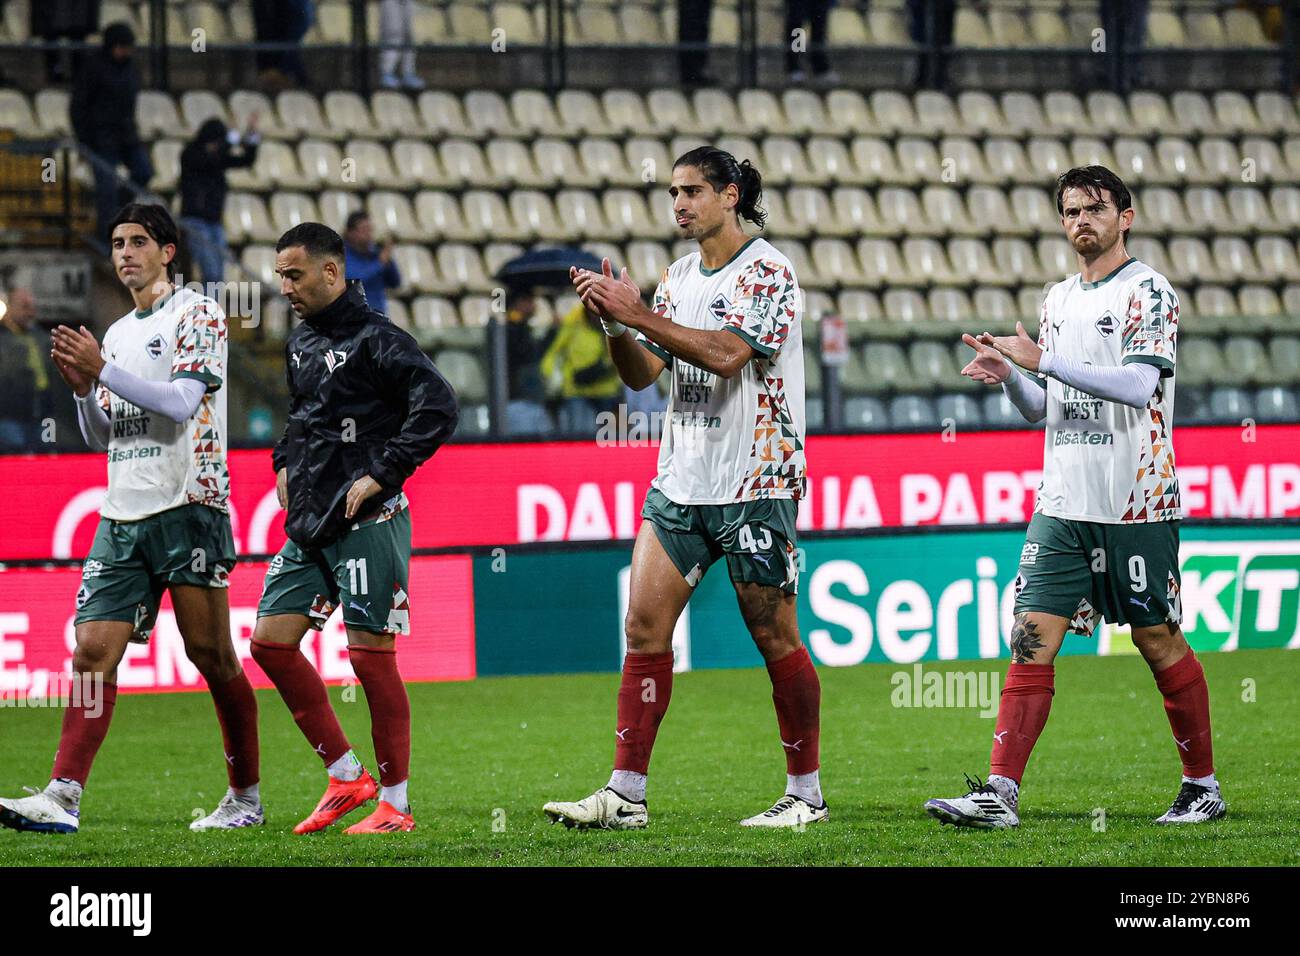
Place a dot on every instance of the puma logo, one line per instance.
(619, 734)
(1183, 744)
(793, 746)
(767, 561)
(1144, 605)
(320, 749)
(998, 737)
(230, 759)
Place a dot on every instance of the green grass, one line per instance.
(497, 749)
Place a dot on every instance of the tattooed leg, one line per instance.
(1036, 637)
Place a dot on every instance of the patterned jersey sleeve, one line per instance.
(200, 345)
(764, 307)
(661, 305)
(1151, 325)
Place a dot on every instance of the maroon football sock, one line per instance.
(1022, 714)
(237, 712)
(643, 696)
(390, 710)
(1187, 704)
(304, 694)
(85, 725)
(797, 696)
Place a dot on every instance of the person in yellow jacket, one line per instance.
(589, 383)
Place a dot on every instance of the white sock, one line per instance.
(396, 797)
(806, 786)
(628, 784)
(248, 794)
(1202, 781)
(1009, 789)
(347, 767)
(66, 791)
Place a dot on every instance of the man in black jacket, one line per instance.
(102, 111)
(366, 408)
(204, 162)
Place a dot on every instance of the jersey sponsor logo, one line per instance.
(129, 454)
(335, 358)
(1107, 323)
(692, 420)
(1083, 438)
(92, 568)
(694, 385)
(1029, 553)
(155, 346)
(720, 307)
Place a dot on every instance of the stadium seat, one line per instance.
(627, 214)
(1276, 257)
(894, 114)
(580, 113)
(1159, 211)
(512, 163)
(971, 263)
(865, 414)
(884, 367)
(464, 163)
(912, 412)
(1000, 413)
(918, 159)
(394, 114)
(989, 210)
(245, 219)
(810, 210)
(1200, 362)
(1108, 114)
(259, 262)
(301, 115)
(534, 114)
(937, 115)
(1219, 160)
(1057, 258)
(904, 305)
(461, 267)
(443, 116)
(489, 115)
(980, 113)
(1024, 114)
(464, 373)
(166, 156)
(371, 165)
(901, 212)
(51, 109)
(289, 209)
(881, 264)
(1230, 406)
(856, 211)
(1035, 209)
(419, 273)
(993, 305)
(1047, 158)
(1234, 114)
(419, 164)
(945, 211)
(848, 114)
(1277, 112)
(932, 367)
(783, 161)
(877, 162)
(803, 113)
(348, 115)
(963, 411)
(335, 205)
(1248, 209)
(393, 217)
(321, 162)
(859, 307)
(836, 262)
(1277, 404)
(1247, 360)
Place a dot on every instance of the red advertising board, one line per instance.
(567, 491)
(36, 631)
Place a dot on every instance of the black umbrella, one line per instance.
(548, 266)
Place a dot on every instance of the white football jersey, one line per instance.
(1105, 461)
(738, 439)
(155, 463)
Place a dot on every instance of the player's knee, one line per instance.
(1159, 644)
(89, 659)
(644, 633)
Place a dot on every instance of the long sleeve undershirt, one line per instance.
(1132, 384)
(177, 399)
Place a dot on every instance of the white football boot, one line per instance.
(1195, 804)
(789, 811)
(232, 813)
(39, 813)
(985, 807)
(605, 809)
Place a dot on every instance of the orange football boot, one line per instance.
(341, 797)
(384, 819)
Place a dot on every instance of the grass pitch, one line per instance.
(487, 754)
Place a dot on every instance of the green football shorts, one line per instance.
(1085, 571)
(757, 537)
(365, 572)
(131, 563)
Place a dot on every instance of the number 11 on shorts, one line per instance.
(357, 574)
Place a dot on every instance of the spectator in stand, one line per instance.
(589, 383)
(526, 399)
(26, 373)
(71, 20)
(102, 111)
(693, 34)
(284, 22)
(369, 264)
(204, 162)
(930, 23)
(395, 38)
(818, 13)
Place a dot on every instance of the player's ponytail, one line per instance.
(721, 170)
